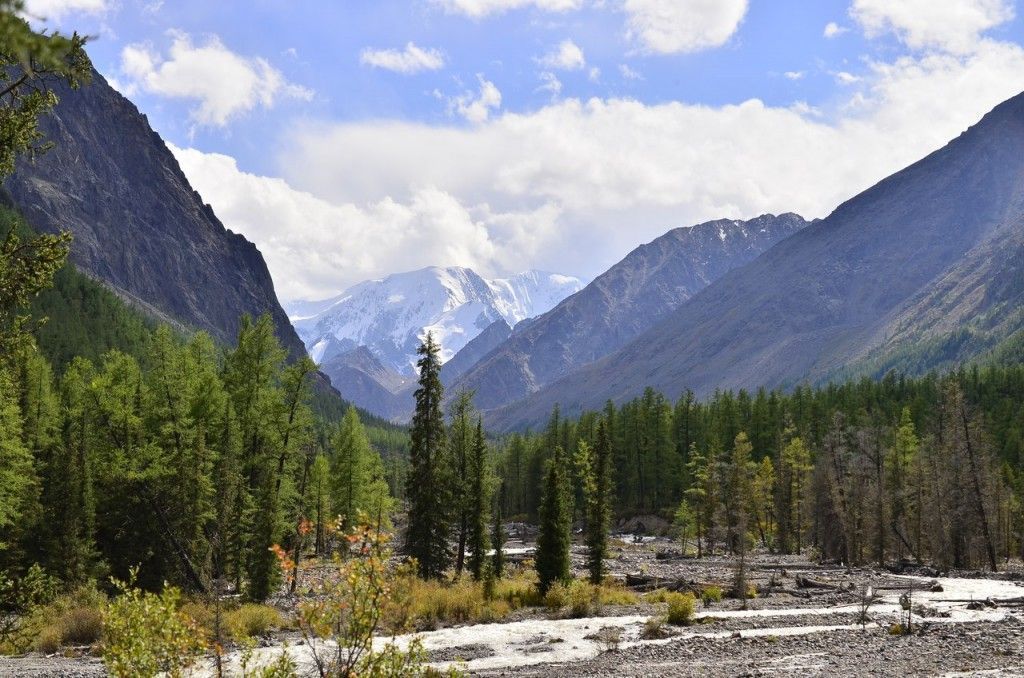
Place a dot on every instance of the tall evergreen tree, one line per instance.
(498, 538)
(554, 540)
(480, 504)
(599, 504)
(428, 488)
(461, 442)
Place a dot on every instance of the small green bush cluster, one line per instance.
(711, 594)
(681, 607)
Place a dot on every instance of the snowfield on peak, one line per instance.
(390, 316)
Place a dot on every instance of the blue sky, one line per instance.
(555, 134)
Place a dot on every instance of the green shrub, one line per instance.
(582, 597)
(657, 596)
(557, 597)
(681, 607)
(145, 634)
(711, 594)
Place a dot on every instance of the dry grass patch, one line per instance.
(73, 619)
(252, 621)
(434, 603)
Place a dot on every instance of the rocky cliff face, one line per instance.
(931, 250)
(632, 296)
(138, 225)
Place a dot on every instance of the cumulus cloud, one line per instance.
(834, 30)
(410, 60)
(476, 108)
(567, 56)
(617, 171)
(794, 75)
(315, 248)
(223, 84)
(951, 25)
(481, 8)
(675, 26)
(54, 10)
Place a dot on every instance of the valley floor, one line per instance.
(805, 621)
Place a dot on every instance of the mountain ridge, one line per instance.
(805, 307)
(621, 303)
(138, 225)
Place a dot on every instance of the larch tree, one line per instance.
(351, 469)
(795, 480)
(902, 460)
(740, 481)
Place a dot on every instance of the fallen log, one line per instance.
(806, 583)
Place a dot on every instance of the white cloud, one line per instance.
(315, 248)
(795, 75)
(482, 8)
(951, 25)
(477, 108)
(594, 75)
(674, 26)
(844, 78)
(834, 30)
(222, 83)
(628, 73)
(550, 84)
(615, 172)
(567, 56)
(412, 59)
(54, 10)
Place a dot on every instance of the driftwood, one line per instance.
(646, 582)
(987, 602)
(802, 567)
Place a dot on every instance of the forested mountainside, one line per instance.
(138, 225)
(632, 296)
(837, 291)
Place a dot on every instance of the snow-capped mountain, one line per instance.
(390, 316)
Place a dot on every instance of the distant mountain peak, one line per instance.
(391, 315)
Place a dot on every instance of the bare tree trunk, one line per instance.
(979, 502)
